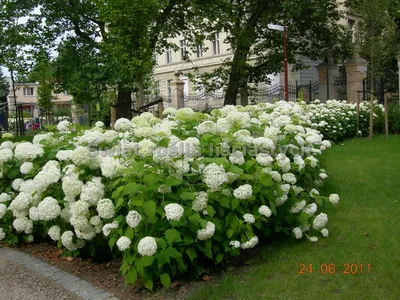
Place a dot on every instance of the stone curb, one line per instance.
(71, 283)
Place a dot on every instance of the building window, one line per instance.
(215, 44)
(169, 91)
(199, 51)
(351, 26)
(168, 56)
(157, 88)
(182, 45)
(29, 91)
(155, 57)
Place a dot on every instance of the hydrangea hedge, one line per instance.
(177, 194)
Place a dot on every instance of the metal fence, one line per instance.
(379, 88)
(340, 87)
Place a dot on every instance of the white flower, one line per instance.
(325, 232)
(26, 167)
(173, 211)
(237, 158)
(207, 127)
(7, 144)
(265, 211)
(109, 226)
(314, 192)
(4, 197)
(214, 176)
(310, 209)
(71, 186)
(7, 135)
(133, 219)
(249, 218)
(123, 125)
(243, 192)
(313, 239)
(320, 221)
(2, 234)
(49, 209)
(147, 246)
(23, 224)
(264, 159)
(298, 207)
(3, 211)
(323, 176)
(333, 198)
(206, 233)
(93, 191)
(99, 124)
(106, 209)
(79, 208)
(54, 233)
(97, 224)
(5, 155)
(64, 126)
(235, 244)
(67, 241)
(305, 227)
(200, 201)
(298, 232)
(123, 243)
(289, 177)
(111, 167)
(251, 243)
(285, 188)
(27, 151)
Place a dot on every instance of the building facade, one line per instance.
(27, 95)
(217, 51)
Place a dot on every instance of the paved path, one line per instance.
(23, 277)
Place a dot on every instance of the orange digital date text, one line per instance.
(331, 268)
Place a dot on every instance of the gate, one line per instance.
(340, 87)
(307, 92)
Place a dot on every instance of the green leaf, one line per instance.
(229, 233)
(131, 277)
(151, 179)
(219, 258)
(145, 261)
(235, 169)
(194, 219)
(277, 228)
(272, 206)
(165, 279)
(187, 195)
(138, 200)
(161, 260)
(172, 235)
(224, 201)
(148, 283)
(235, 203)
(173, 181)
(210, 211)
(129, 233)
(304, 217)
(172, 252)
(120, 203)
(266, 179)
(191, 252)
(112, 241)
(150, 208)
(131, 187)
(249, 166)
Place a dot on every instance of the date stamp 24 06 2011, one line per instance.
(331, 268)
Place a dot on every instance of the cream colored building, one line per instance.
(217, 52)
(27, 95)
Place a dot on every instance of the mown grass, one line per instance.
(364, 229)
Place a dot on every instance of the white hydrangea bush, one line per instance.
(170, 195)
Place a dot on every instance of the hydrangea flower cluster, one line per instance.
(189, 185)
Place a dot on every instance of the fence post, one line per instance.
(356, 71)
(381, 89)
(363, 89)
(177, 93)
(297, 91)
(310, 92)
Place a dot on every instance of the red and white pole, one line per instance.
(285, 65)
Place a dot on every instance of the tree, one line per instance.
(43, 73)
(312, 28)
(4, 89)
(377, 36)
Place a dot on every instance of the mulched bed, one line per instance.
(106, 275)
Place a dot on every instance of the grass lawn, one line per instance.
(364, 229)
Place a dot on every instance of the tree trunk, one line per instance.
(236, 74)
(124, 103)
(140, 97)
